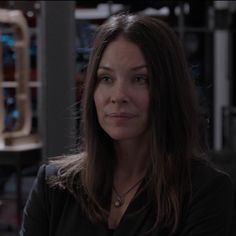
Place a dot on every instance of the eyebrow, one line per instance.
(133, 68)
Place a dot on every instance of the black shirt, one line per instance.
(55, 212)
(110, 232)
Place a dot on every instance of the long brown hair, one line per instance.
(173, 120)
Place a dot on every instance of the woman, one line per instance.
(141, 169)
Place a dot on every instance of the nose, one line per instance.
(119, 93)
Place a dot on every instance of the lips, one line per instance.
(124, 115)
(121, 118)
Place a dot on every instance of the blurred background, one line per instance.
(44, 50)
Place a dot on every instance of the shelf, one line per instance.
(13, 84)
(102, 11)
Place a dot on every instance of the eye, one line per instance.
(141, 79)
(106, 79)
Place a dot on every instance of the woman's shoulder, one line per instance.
(46, 170)
(63, 165)
(57, 170)
(206, 168)
(208, 208)
(46, 173)
(205, 174)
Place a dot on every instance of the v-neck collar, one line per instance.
(135, 215)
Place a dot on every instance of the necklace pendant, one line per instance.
(118, 203)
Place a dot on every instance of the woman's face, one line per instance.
(122, 96)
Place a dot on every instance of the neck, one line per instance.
(131, 159)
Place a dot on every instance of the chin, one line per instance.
(120, 136)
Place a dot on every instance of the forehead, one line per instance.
(122, 52)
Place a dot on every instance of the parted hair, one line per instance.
(174, 118)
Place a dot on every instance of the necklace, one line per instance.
(120, 199)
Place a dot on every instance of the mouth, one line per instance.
(121, 115)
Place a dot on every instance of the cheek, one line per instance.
(145, 103)
(146, 111)
(98, 100)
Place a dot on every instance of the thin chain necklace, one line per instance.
(120, 199)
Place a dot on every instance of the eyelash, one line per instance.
(140, 79)
(104, 78)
